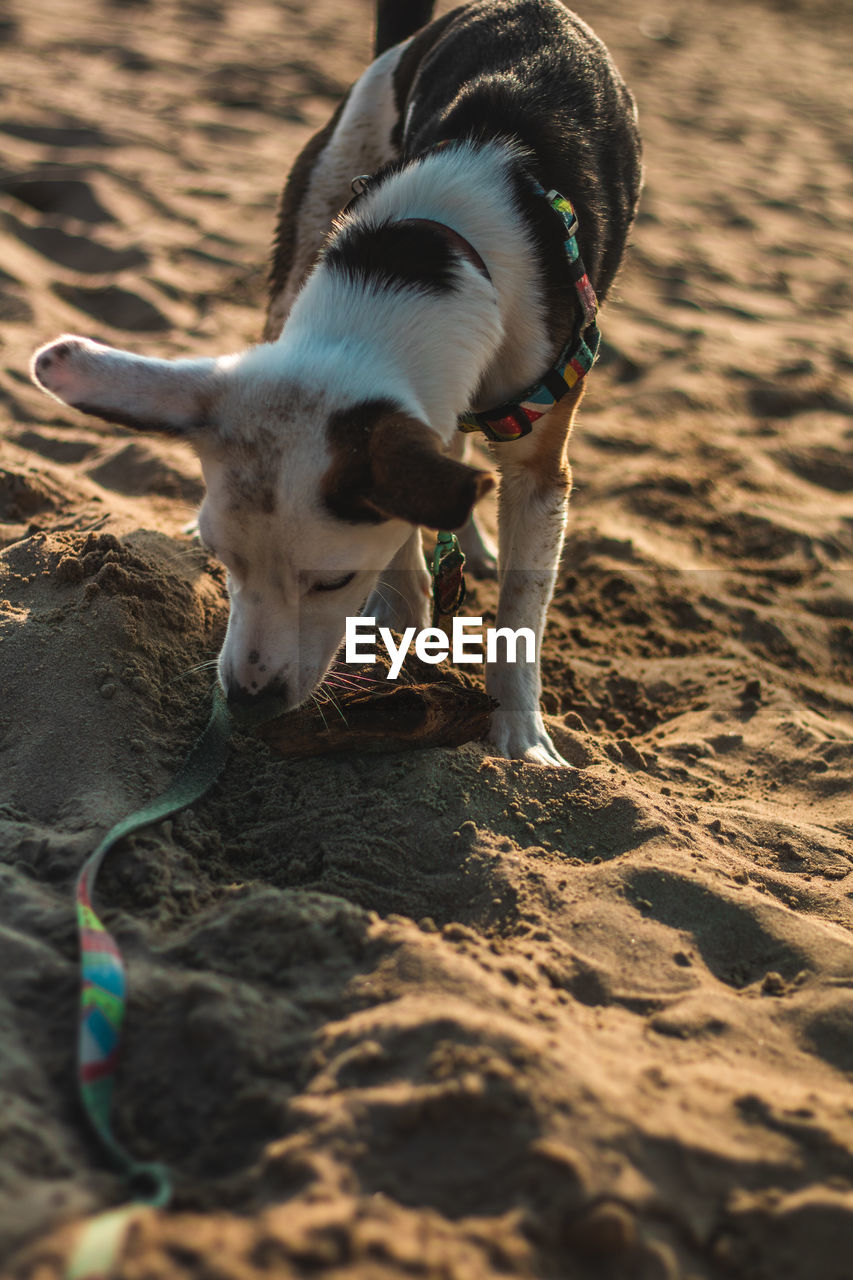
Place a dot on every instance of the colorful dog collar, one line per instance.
(514, 419)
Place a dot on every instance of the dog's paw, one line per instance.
(524, 740)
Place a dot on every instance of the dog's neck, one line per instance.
(437, 353)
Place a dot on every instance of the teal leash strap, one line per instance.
(103, 993)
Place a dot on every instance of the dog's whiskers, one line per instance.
(381, 597)
(350, 680)
(333, 700)
(316, 702)
(390, 587)
(191, 671)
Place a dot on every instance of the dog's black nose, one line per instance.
(254, 706)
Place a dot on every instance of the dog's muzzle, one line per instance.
(249, 706)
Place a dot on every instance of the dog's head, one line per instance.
(306, 503)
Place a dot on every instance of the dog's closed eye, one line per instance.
(334, 585)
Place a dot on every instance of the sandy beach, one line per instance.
(433, 1013)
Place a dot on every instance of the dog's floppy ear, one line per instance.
(171, 396)
(414, 480)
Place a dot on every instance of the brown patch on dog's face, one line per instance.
(414, 480)
(347, 482)
(389, 465)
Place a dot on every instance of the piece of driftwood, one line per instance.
(395, 719)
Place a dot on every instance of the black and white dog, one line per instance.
(453, 284)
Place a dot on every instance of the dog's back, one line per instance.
(532, 71)
(528, 71)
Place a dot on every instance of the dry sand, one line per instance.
(438, 1014)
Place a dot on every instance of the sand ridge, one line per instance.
(436, 1014)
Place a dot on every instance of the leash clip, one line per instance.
(448, 579)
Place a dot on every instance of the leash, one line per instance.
(448, 580)
(103, 997)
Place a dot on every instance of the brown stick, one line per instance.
(397, 719)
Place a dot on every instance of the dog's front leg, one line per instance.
(401, 597)
(532, 507)
(478, 548)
